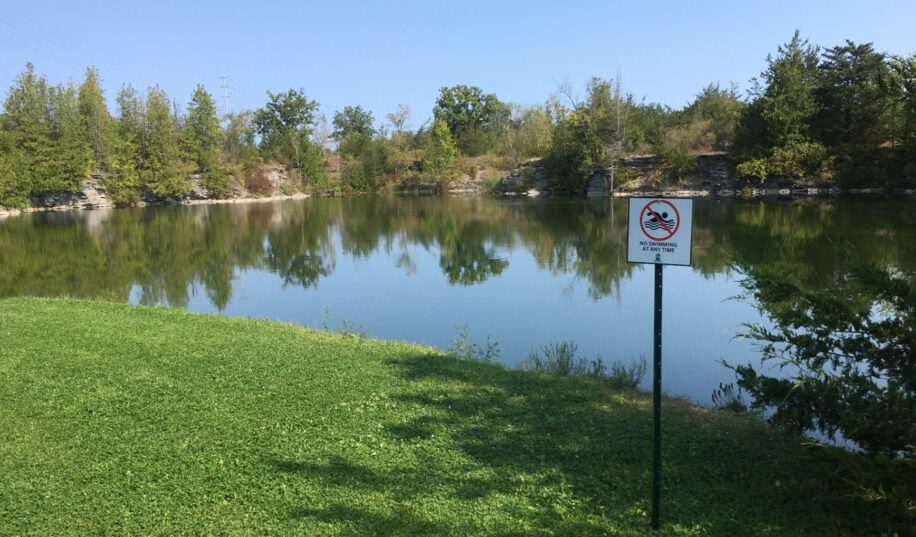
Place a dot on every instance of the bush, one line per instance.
(218, 181)
(802, 161)
(806, 160)
(753, 169)
(677, 158)
(257, 183)
(849, 356)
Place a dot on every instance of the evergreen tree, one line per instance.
(161, 170)
(72, 160)
(853, 103)
(854, 116)
(789, 102)
(131, 114)
(27, 126)
(43, 135)
(777, 126)
(440, 149)
(13, 187)
(99, 127)
(902, 85)
(202, 137)
(123, 179)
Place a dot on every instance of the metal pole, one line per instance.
(657, 401)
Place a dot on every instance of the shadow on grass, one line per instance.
(507, 453)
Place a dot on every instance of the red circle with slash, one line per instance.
(666, 230)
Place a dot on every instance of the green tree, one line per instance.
(775, 135)
(352, 120)
(854, 113)
(526, 134)
(852, 100)
(27, 135)
(470, 115)
(284, 125)
(14, 188)
(574, 153)
(46, 149)
(902, 86)
(161, 169)
(594, 133)
(717, 112)
(239, 144)
(202, 137)
(98, 124)
(131, 112)
(72, 161)
(789, 102)
(123, 179)
(439, 150)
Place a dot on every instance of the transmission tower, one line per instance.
(225, 86)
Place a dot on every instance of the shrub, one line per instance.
(678, 159)
(257, 183)
(753, 169)
(806, 160)
(803, 161)
(218, 182)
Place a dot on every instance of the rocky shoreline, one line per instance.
(635, 176)
(647, 175)
(93, 195)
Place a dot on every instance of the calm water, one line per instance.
(525, 272)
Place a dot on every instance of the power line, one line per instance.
(225, 86)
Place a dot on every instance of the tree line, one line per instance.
(846, 113)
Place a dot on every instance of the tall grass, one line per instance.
(560, 359)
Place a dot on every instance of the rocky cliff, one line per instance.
(93, 195)
(709, 175)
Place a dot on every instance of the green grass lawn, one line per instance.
(128, 420)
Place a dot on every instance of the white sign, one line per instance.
(660, 231)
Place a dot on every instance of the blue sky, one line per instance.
(378, 54)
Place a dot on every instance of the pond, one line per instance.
(523, 272)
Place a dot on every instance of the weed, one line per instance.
(727, 397)
(346, 327)
(628, 375)
(560, 359)
(464, 349)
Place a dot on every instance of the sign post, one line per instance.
(659, 232)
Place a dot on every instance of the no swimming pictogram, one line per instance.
(659, 220)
